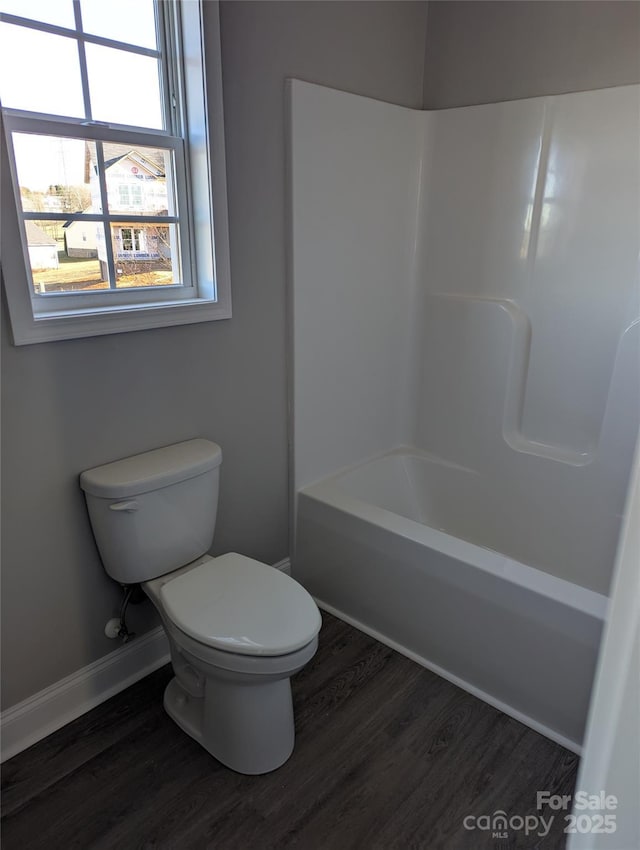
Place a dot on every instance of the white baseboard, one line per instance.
(284, 566)
(38, 716)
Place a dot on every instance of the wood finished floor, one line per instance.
(388, 755)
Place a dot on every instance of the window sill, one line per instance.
(75, 324)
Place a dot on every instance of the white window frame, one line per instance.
(200, 177)
(136, 237)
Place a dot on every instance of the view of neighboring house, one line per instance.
(80, 238)
(136, 183)
(43, 249)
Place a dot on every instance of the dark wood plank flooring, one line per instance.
(388, 755)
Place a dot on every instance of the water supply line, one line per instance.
(123, 632)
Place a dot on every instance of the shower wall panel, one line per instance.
(354, 193)
(529, 363)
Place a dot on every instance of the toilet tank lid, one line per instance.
(151, 470)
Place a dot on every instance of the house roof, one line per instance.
(152, 159)
(36, 235)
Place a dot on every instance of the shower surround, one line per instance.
(464, 283)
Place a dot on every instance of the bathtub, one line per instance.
(423, 556)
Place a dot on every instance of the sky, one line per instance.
(40, 72)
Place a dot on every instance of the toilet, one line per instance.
(238, 629)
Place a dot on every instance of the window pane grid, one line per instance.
(114, 219)
(158, 115)
(28, 23)
(130, 241)
(102, 181)
(131, 226)
(82, 59)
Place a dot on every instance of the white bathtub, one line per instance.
(428, 558)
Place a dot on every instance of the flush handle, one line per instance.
(124, 506)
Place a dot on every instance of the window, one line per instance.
(111, 166)
(130, 196)
(131, 238)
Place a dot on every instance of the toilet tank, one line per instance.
(154, 512)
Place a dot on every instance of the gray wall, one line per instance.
(480, 52)
(71, 405)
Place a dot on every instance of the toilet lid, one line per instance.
(239, 605)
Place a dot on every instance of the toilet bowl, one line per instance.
(238, 629)
(236, 704)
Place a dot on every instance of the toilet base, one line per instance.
(247, 727)
(184, 709)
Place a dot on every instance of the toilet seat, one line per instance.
(253, 667)
(242, 606)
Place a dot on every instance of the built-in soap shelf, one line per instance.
(516, 378)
